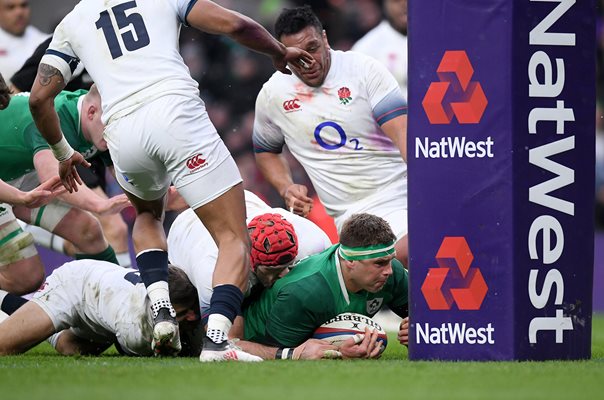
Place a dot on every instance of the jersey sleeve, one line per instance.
(34, 139)
(400, 289)
(387, 100)
(60, 54)
(267, 137)
(296, 314)
(183, 7)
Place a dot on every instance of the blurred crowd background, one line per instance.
(230, 76)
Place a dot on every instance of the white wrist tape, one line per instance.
(62, 150)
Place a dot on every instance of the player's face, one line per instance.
(396, 13)
(184, 313)
(14, 16)
(268, 274)
(371, 275)
(315, 43)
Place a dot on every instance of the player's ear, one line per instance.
(324, 36)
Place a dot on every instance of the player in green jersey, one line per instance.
(360, 275)
(25, 161)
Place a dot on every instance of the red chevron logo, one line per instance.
(454, 258)
(455, 94)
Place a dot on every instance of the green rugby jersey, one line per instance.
(312, 293)
(20, 138)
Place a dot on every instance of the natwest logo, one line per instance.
(196, 163)
(454, 281)
(455, 94)
(291, 105)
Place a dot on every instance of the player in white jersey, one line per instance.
(191, 247)
(93, 304)
(158, 131)
(344, 119)
(387, 42)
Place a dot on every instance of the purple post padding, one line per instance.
(501, 179)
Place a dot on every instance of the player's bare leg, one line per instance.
(27, 327)
(152, 258)
(116, 232)
(224, 218)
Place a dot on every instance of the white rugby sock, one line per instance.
(124, 259)
(218, 328)
(158, 291)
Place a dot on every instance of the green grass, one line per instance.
(41, 374)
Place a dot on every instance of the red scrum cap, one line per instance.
(274, 240)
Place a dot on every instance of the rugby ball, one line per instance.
(344, 326)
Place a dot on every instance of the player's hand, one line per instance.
(44, 193)
(68, 173)
(4, 94)
(175, 201)
(362, 345)
(297, 200)
(112, 205)
(315, 349)
(403, 332)
(293, 56)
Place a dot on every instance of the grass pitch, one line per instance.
(41, 374)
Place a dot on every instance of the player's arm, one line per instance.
(212, 18)
(34, 198)
(85, 199)
(276, 171)
(48, 84)
(312, 349)
(396, 130)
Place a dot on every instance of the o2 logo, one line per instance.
(343, 138)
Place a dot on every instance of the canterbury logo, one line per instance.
(195, 162)
(454, 281)
(455, 94)
(291, 105)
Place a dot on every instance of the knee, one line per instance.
(23, 277)
(115, 228)
(88, 228)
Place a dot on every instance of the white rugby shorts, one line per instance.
(171, 140)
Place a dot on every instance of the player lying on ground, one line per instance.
(279, 239)
(93, 304)
(360, 275)
(315, 293)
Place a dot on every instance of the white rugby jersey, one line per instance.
(389, 46)
(191, 248)
(129, 48)
(15, 50)
(334, 130)
(102, 301)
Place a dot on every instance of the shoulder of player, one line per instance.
(348, 62)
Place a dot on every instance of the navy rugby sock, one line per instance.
(153, 266)
(9, 303)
